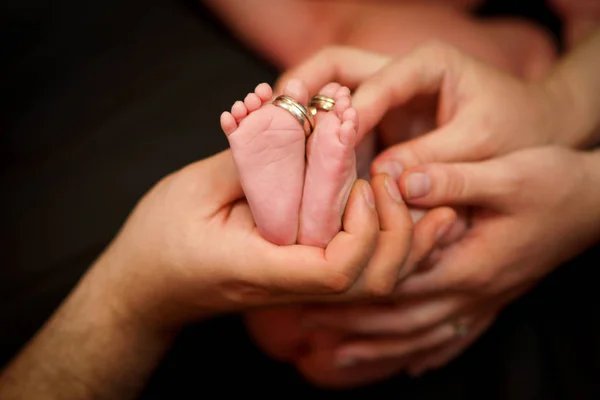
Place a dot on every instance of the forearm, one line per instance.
(574, 88)
(92, 347)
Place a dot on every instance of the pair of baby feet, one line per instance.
(296, 187)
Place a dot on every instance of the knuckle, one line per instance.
(455, 182)
(381, 288)
(487, 142)
(338, 282)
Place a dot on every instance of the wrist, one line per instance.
(137, 290)
(124, 297)
(561, 112)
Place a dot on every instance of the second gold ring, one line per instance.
(322, 102)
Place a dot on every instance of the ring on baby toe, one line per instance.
(297, 110)
(321, 102)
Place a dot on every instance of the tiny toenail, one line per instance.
(369, 197)
(392, 189)
(418, 184)
(392, 168)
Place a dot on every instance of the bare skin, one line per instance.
(392, 27)
(297, 189)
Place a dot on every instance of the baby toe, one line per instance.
(348, 134)
(351, 115)
(228, 123)
(252, 102)
(342, 104)
(264, 92)
(297, 90)
(239, 111)
(330, 89)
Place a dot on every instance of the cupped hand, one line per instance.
(191, 249)
(479, 112)
(534, 209)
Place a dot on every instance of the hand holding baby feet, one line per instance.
(331, 166)
(268, 145)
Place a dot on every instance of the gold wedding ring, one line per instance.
(321, 102)
(297, 110)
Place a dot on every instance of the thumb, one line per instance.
(484, 183)
(216, 179)
(448, 143)
(431, 69)
(346, 65)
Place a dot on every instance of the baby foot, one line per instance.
(331, 169)
(268, 147)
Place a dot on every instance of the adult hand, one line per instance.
(480, 111)
(510, 246)
(191, 247)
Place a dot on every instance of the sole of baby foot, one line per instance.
(330, 171)
(268, 146)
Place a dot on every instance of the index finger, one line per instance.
(426, 70)
(346, 65)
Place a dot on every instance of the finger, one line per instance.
(439, 357)
(464, 266)
(484, 183)
(457, 230)
(394, 241)
(427, 70)
(394, 347)
(220, 180)
(457, 139)
(322, 369)
(428, 233)
(407, 318)
(309, 270)
(345, 65)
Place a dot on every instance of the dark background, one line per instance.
(101, 100)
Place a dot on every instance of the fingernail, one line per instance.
(416, 214)
(392, 189)
(369, 197)
(443, 230)
(431, 261)
(418, 184)
(392, 168)
(346, 362)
